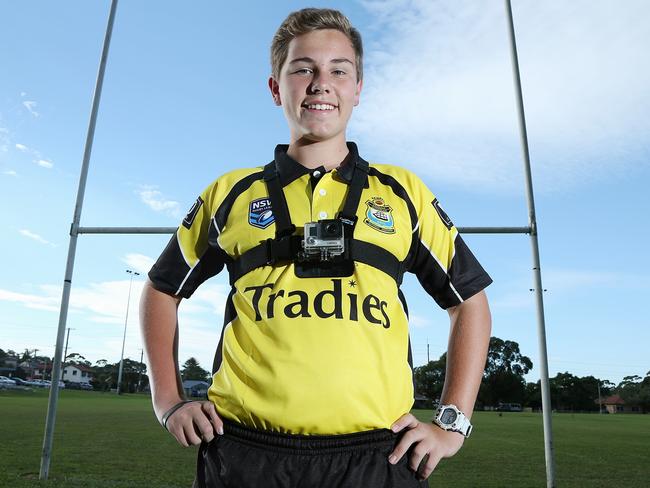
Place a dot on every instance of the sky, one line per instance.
(185, 99)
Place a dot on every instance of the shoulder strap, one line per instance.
(283, 225)
(359, 178)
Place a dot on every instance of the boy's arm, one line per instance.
(469, 338)
(159, 326)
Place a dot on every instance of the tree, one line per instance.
(636, 391)
(191, 370)
(503, 377)
(430, 378)
(77, 359)
(569, 392)
(105, 375)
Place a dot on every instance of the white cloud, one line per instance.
(213, 295)
(47, 302)
(154, 199)
(97, 311)
(29, 105)
(10, 172)
(22, 147)
(439, 95)
(419, 321)
(23, 94)
(139, 262)
(44, 163)
(34, 236)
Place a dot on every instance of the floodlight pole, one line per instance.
(67, 281)
(541, 327)
(126, 321)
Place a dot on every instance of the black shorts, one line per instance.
(249, 458)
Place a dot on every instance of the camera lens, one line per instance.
(330, 229)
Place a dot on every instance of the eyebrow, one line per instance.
(310, 60)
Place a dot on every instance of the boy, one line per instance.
(312, 377)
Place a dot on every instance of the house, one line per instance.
(420, 401)
(196, 388)
(37, 369)
(77, 373)
(615, 404)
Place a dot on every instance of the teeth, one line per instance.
(320, 106)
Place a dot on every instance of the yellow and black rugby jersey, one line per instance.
(317, 355)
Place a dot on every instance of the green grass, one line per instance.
(103, 440)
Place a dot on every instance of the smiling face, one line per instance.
(318, 86)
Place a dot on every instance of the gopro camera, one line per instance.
(323, 241)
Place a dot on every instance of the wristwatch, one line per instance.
(448, 417)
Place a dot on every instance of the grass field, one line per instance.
(103, 440)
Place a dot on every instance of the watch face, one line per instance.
(448, 416)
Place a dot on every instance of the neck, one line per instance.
(312, 154)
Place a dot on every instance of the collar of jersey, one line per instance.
(290, 169)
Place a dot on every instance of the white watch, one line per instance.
(448, 417)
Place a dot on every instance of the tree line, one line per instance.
(503, 382)
(503, 379)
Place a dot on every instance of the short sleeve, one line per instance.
(442, 262)
(189, 258)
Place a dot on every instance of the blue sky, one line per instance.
(185, 99)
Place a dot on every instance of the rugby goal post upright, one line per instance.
(46, 454)
(531, 230)
(537, 273)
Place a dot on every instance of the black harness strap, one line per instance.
(359, 178)
(283, 225)
(378, 257)
(361, 251)
(285, 247)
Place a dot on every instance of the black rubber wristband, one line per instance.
(171, 411)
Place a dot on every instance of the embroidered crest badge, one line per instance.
(379, 216)
(260, 213)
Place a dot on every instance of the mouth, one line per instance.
(321, 107)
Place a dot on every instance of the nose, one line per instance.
(320, 83)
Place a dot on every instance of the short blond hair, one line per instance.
(308, 20)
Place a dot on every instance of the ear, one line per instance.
(357, 93)
(275, 91)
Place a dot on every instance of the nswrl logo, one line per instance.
(260, 213)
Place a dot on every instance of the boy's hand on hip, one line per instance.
(429, 439)
(194, 422)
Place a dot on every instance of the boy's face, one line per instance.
(318, 85)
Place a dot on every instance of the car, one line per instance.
(509, 407)
(86, 386)
(21, 382)
(7, 382)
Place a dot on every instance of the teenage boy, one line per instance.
(312, 380)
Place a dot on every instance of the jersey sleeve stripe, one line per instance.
(466, 273)
(178, 292)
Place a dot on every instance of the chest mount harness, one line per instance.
(326, 248)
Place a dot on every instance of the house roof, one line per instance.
(189, 384)
(80, 367)
(613, 400)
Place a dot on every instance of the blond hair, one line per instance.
(308, 20)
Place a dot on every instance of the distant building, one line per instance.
(77, 373)
(37, 369)
(420, 401)
(615, 404)
(196, 388)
